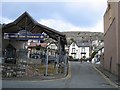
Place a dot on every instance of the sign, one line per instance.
(17, 36)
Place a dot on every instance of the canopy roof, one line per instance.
(26, 22)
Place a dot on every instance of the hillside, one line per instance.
(83, 36)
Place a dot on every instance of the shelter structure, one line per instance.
(15, 36)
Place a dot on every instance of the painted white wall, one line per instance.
(103, 50)
(52, 46)
(87, 51)
(78, 51)
(73, 45)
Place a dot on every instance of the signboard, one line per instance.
(17, 36)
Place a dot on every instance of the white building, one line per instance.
(79, 50)
(98, 46)
(52, 49)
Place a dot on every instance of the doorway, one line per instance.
(10, 54)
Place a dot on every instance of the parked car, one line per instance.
(35, 56)
(75, 59)
(70, 58)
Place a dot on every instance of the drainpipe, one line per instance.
(110, 64)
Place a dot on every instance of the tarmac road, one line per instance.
(80, 76)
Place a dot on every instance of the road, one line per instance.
(82, 76)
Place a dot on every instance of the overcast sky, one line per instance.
(82, 15)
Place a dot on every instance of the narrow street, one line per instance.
(85, 76)
(82, 76)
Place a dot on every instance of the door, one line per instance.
(10, 54)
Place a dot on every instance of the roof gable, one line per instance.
(26, 22)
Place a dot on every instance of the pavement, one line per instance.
(111, 78)
(35, 78)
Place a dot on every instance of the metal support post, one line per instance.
(57, 58)
(65, 64)
(46, 71)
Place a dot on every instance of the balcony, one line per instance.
(73, 53)
(83, 52)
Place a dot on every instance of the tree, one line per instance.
(72, 40)
(92, 55)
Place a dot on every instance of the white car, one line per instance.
(98, 62)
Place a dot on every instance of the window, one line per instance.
(83, 49)
(52, 46)
(73, 50)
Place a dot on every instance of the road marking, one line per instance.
(107, 79)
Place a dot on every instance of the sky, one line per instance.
(61, 15)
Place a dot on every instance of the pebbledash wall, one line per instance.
(111, 59)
